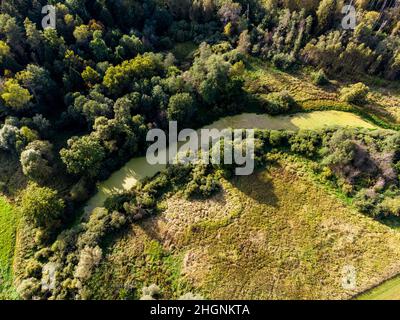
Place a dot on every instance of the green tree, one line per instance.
(211, 75)
(120, 77)
(8, 137)
(42, 205)
(37, 80)
(356, 58)
(230, 12)
(25, 136)
(12, 32)
(83, 156)
(97, 105)
(35, 38)
(36, 160)
(90, 76)
(4, 52)
(326, 14)
(325, 51)
(54, 45)
(181, 107)
(129, 47)
(98, 46)
(179, 8)
(82, 34)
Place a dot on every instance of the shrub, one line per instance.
(203, 182)
(117, 220)
(43, 254)
(157, 185)
(390, 206)
(95, 229)
(88, 259)
(356, 93)
(339, 149)
(204, 186)
(116, 202)
(279, 102)
(319, 78)
(279, 138)
(145, 200)
(283, 61)
(33, 269)
(29, 288)
(365, 201)
(305, 142)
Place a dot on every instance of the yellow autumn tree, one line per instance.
(14, 95)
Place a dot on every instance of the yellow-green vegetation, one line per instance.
(389, 290)
(262, 78)
(7, 242)
(135, 264)
(306, 121)
(277, 234)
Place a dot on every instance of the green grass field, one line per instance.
(7, 243)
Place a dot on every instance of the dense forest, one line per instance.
(77, 100)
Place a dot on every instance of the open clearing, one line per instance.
(138, 168)
(310, 121)
(254, 240)
(383, 99)
(7, 243)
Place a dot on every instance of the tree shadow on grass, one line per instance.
(258, 186)
(391, 221)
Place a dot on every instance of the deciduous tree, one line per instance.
(83, 156)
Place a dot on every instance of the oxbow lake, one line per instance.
(138, 168)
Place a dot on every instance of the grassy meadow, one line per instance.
(7, 242)
(253, 240)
